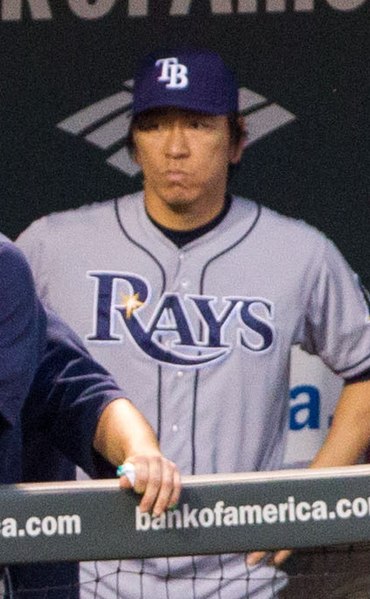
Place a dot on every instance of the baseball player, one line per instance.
(193, 299)
(52, 392)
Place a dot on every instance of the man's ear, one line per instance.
(134, 154)
(135, 157)
(237, 149)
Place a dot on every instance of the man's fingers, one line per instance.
(174, 499)
(156, 478)
(169, 491)
(145, 474)
(149, 483)
(273, 559)
(281, 556)
(252, 559)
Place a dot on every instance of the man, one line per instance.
(52, 390)
(205, 295)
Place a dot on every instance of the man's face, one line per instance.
(184, 157)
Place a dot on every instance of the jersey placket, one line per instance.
(178, 381)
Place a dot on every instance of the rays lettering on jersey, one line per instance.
(170, 334)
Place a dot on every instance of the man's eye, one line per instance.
(149, 126)
(198, 124)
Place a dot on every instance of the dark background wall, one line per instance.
(303, 57)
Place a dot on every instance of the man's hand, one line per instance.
(272, 559)
(156, 479)
(123, 436)
(347, 439)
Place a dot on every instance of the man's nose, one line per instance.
(176, 144)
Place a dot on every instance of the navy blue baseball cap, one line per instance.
(191, 79)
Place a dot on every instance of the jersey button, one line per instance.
(175, 428)
(180, 374)
(185, 283)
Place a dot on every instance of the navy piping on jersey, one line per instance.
(159, 402)
(228, 249)
(195, 572)
(364, 376)
(193, 421)
(139, 245)
(354, 378)
(221, 579)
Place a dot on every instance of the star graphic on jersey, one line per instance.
(131, 303)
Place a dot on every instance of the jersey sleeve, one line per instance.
(337, 323)
(22, 330)
(74, 389)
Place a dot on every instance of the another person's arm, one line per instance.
(22, 329)
(123, 434)
(22, 339)
(77, 404)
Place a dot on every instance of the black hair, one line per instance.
(237, 130)
(236, 127)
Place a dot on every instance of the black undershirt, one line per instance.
(181, 238)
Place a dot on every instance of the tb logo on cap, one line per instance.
(174, 74)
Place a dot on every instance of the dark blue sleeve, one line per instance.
(22, 330)
(67, 397)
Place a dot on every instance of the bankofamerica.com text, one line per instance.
(222, 515)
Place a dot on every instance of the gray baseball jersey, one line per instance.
(200, 338)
